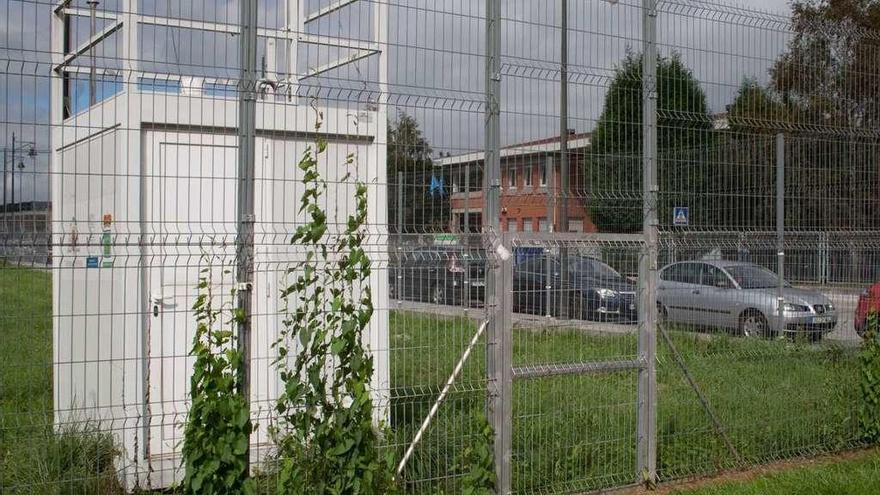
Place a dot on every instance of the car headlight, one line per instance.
(606, 293)
(795, 308)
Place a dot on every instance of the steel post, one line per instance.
(780, 230)
(247, 136)
(563, 162)
(498, 399)
(646, 451)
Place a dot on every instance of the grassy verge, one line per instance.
(775, 400)
(851, 477)
(34, 457)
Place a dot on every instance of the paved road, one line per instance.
(844, 300)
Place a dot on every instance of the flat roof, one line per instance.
(547, 145)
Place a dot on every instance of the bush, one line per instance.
(869, 361)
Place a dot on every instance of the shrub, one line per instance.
(869, 360)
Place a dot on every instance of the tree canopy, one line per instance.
(615, 161)
(410, 154)
(824, 96)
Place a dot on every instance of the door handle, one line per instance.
(161, 300)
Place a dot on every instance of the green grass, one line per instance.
(34, 457)
(775, 400)
(852, 477)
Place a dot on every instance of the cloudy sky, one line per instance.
(435, 48)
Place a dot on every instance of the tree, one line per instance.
(756, 109)
(824, 95)
(829, 74)
(410, 153)
(615, 161)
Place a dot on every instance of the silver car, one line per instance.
(742, 297)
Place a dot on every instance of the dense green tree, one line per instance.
(410, 154)
(683, 136)
(824, 96)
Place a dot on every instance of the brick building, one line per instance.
(530, 187)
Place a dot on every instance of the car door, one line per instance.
(679, 291)
(530, 285)
(718, 298)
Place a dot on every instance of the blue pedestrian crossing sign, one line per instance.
(681, 216)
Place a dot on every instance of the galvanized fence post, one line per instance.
(646, 452)
(247, 135)
(780, 231)
(499, 398)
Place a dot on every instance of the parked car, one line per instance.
(869, 301)
(742, 297)
(594, 290)
(452, 275)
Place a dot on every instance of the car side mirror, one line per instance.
(722, 284)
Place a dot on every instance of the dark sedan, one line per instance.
(594, 290)
(453, 275)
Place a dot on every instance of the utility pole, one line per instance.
(247, 141)
(563, 163)
(93, 68)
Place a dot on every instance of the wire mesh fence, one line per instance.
(636, 267)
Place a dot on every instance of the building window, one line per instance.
(575, 225)
(545, 170)
(527, 175)
(511, 177)
(543, 225)
(528, 226)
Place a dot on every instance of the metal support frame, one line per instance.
(247, 135)
(93, 64)
(442, 397)
(646, 447)
(780, 231)
(293, 33)
(561, 369)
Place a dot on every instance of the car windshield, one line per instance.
(753, 277)
(593, 268)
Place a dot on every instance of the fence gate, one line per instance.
(571, 358)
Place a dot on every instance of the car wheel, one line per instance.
(438, 294)
(753, 324)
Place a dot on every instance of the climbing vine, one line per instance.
(326, 441)
(218, 425)
(477, 462)
(869, 361)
